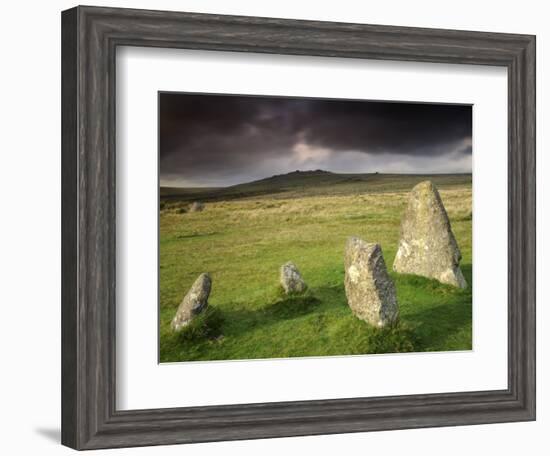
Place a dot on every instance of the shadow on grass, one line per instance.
(205, 335)
(318, 305)
(291, 306)
(448, 314)
(195, 235)
(434, 317)
(436, 326)
(242, 319)
(467, 273)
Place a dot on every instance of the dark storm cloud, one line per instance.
(222, 140)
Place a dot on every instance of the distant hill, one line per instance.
(318, 182)
(291, 180)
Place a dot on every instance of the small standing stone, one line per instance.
(196, 206)
(427, 246)
(369, 289)
(291, 279)
(194, 302)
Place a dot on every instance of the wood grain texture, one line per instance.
(90, 36)
(69, 245)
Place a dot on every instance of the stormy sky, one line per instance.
(220, 140)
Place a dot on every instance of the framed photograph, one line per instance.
(280, 228)
(281, 262)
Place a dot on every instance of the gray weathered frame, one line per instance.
(90, 36)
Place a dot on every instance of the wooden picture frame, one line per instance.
(90, 36)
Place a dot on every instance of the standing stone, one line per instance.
(369, 288)
(291, 279)
(194, 302)
(196, 206)
(427, 246)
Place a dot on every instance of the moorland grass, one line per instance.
(243, 242)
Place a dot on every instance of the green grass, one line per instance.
(242, 242)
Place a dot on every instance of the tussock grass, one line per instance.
(206, 325)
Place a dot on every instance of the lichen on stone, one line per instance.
(427, 245)
(193, 303)
(370, 291)
(291, 280)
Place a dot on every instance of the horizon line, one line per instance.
(317, 171)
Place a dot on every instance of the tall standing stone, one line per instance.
(427, 246)
(369, 289)
(194, 302)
